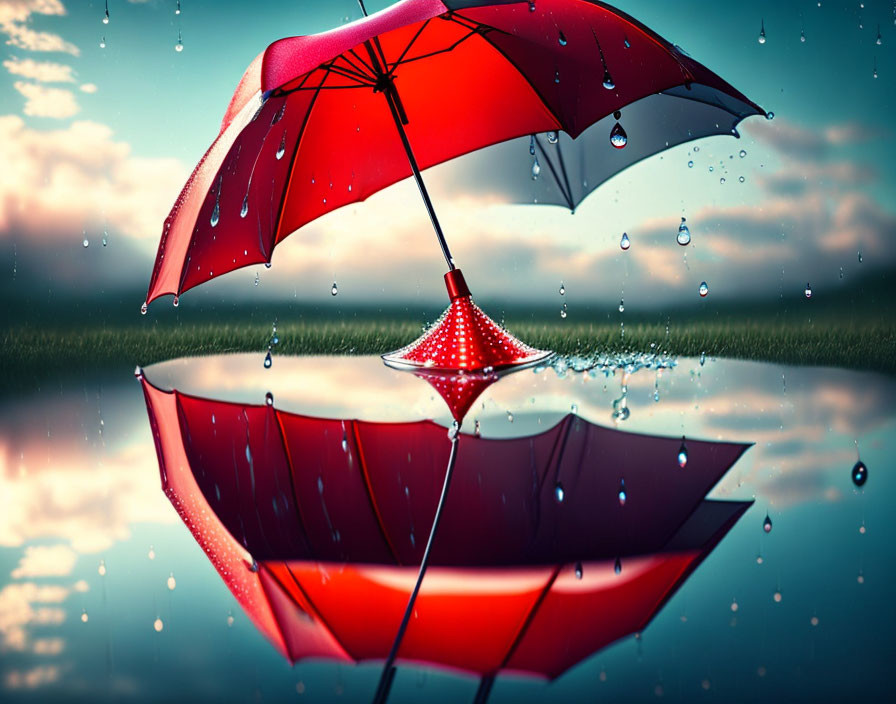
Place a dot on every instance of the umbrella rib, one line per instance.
(363, 62)
(438, 51)
(292, 482)
(550, 164)
(408, 47)
(363, 69)
(569, 199)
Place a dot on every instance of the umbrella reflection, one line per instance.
(318, 527)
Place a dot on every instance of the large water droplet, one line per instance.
(559, 493)
(536, 169)
(621, 306)
(808, 291)
(281, 150)
(767, 524)
(216, 214)
(562, 289)
(608, 81)
(625, 242)
(690, 164)
(684, 234)
(144, 308)
(762, 33)
(703, 290)
(859, 473)
(334, 289)
(743, 153)
(860, 257)
(176, 301)
(683, 454)
(158, 625)
(618, 137)
(268, 360)
(268, 399)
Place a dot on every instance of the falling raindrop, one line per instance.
(83, 615)
(102, 568)
(722, 180)
(808, 291)
(814, 621)
(860, 257)
(269, 399)
(702, 358)
(562, 289)
(690, 164)
(171, 582)
(879, 39)
(622, 495)
(509, 417)
(618, 137)
(859, 473)
(703, 290)
(802, 37)
(777, 596)
(179, 47)
(682, 454)
(561, 38)
(556, 76)
(684, 234)
(103, 43)
(553, 138)
(563, 311)
(158, 625)
(86, 243)
(559, 493)
(334, 289)
(532, 144)
(769, 116)
(230, 619)
(767, 524)
(177, 8)
(268, 360)
(621, 306)
(281, 150)
(531, 5)
(476, 428)
(152, 553)
(625, 242)
(579, 571)
(176, 301)
(256, 278)
(617, 567)
(734, 606)
(106, 15)
(741, 179)
(743, 153)
(105, 238)
(536, 169)
(762, 32)
(144, 308)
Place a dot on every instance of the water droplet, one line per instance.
(703, 290)
(83, 615)
(767, 524)
(562, 289)
(532, 144)
(683, 454)
(618, 137)
(216, 214)
(152, 553)
(722, 180)
(105, 240)
(103, 43)
(860, 257)
(880, 39)
(626, 43)
(452, 432)
(106, 16)
(536, 169)
(743, 153)
(179, 47)
(267, 265)
(256, 278)
(269, 399)
(245, 209)
(656, 395)
(684, 234)
(802, 37)
(334, 289)
(762, 33)
(158, 625)
(741, 179)
(734, 606)
(617, 567)
(563, 311)
(171, 582)
(281, 150)
(808, 291)
(230, 619)
(509, 417)
(144, 308)
(621, 306)
(556, 76)
(622, 495)
(608, 81)
(561, 38)
(268, 360)
(859, 473)
(177, 8)
(553, 138)
(777, 596)
(690, 164)
(86, 242)
(579, 571)
(559, 493)
(101, 570)
(814, 621)
(531, 5)
(702, 358)
(476, 428)
(625, 242)
(769, 116)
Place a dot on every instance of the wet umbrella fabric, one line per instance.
(312, 524)
(321, 121)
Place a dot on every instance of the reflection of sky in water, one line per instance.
(79, 484)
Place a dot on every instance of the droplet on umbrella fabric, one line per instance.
(622, 496)
(561, 38)
(579, 571)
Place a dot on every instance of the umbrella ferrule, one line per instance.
(457, 286)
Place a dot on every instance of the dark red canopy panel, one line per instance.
(317, 526)
(309, 129)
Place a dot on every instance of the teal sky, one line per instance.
(821, 174)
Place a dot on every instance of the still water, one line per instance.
(594, 571)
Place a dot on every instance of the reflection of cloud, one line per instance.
(18, 611)
(33, 678)
(41, 71)
(46, 561)
(41, 101)
(14, 14)
(57, 181)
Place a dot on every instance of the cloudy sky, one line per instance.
(97, 141)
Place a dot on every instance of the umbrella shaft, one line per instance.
(390, 98)
(388, 674)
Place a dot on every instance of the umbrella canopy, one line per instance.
(321, 121)
(313, 525)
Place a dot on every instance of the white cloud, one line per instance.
(18, 611)
(41, 101)
(14, 15)
(41, 71)
(89, 88)
(46, 561)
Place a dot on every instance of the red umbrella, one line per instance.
(321, 121)
(312, 523)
